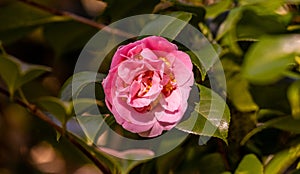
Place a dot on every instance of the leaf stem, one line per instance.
(24, 99)
(41, 115)
(78, 18)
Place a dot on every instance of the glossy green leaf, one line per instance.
(77, 82)
(55, 106)
(263, 66)
(205, 58)
(293, 94)
(167, 27)
(282, 160)
(249, 165)
(215, 9)
(210, 118)
(286, 123)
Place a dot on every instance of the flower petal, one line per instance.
(172, 102)
(156, 130)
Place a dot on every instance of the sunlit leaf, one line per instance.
(282, 160)
(167, 27)
(293, 94)
(237, 87)
(263, 66)
(210, 118)
(249, 164)
(215, 9)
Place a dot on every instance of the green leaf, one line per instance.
(293, 95)
(77, 82)
(282, 160)
(69, 31)
(215, 9)
(20, 18)
(286, 123)
(84, 105)
(237, 87)
(227, 30)
(205, 58)
(90, 125)
(210, 118)
(115, 13)
(16, 73)
(253, 25)
(263, 66)
(167, 27)
(55, 106)
(9, 72)
(249, 164)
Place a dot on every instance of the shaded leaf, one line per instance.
(249, 164)
(16, 73)
(9, 72)
(20, 18)
(205, 58)
(263, 66)
(77, 82)
(75, 35)
(286, 123)
(282, 160)
(167, 27)
(90, 125)
(54, 106)
(210, 118)
(293, 94)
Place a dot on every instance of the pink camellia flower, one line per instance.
(148, 86)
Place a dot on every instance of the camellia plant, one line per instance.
(170, 86)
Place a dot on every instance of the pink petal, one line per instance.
(148, 54)
(135, 128)
(121, 53)
(155, 89)
(183, 75)
(122, 109)
(172, 102)
(169, 117)
(184, 58)
(158, 43)
(128, 70)
(156, 130)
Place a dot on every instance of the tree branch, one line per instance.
(41, 115)
(78, 18)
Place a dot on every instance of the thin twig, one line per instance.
(78, 18)
(41, 115)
